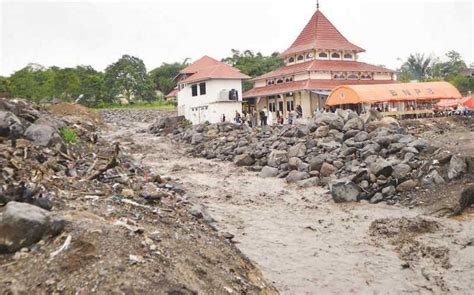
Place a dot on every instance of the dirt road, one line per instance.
(307, 244)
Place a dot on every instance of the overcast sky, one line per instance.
(97, 33)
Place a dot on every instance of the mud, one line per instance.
(305, 243)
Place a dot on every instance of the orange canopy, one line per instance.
(469, 102)
(354, 94)
(446, 103)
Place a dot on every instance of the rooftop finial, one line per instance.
(317, 4)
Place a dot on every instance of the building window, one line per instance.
(279, 81)
(366, 77)
(335, 55)
(202, 88)
(339, 76)
(309, 55)
(194, 90)
(352, 77)
(289, 106)
(271, 103)
(300, 57)
(323, 55)
(289, 79)
(348, 56)
(292, 59)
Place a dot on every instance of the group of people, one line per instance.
(265, 117)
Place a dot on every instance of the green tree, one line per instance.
(417, 67)
(163, 76)
(91, 84)
(23, 83)
(453, 67)
(127, 76)
(253, 64)
(463, 84)
(67, 84)
(5, 88)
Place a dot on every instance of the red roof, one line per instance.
(324, 65)
(320, 33)
(173, 93)
(307, 85)
(209, 68)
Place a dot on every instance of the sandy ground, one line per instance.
(305, 243)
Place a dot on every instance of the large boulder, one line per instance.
(22, 225)
(344, 190)
(354, 124)
(8, 123)
(243, 160)
(381, 167)
(401, 170)
(322, 131)
(167, 125)
(43, 135)
(277, 157)
(197, 138)
(327, 169)
(316, 163)
(295, 176)
(332, 120)
(298, 150)
(457, 166)
(268, 171)
(407, 185)
(385, 122)
(370, 116)
(294, 163)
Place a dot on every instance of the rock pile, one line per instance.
(363, 157)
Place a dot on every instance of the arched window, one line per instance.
(300, 57)
(352, 77)
(339, 76)
(323, 55)
(292, 59)
(289, 79)
(366, 77)
(335, 55)
(279, 81)
(348, 56)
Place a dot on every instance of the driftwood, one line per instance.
(113, 162)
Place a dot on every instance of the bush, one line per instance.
(69, 135)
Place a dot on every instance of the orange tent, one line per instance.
(469, 102)
(446, 103)
(355, 94)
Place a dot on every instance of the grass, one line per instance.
(157, 105)
(69, 135)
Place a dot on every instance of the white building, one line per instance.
(208, 90)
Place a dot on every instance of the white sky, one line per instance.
(97, 33)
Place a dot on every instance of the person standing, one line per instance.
(299, 111)
(290, 117)
(270, 118)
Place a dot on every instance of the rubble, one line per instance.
(75, 216)
(374, 152)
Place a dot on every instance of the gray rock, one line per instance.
(9, 121)
(42, 135)
(407, 185)
(381, 167)
(330, 119)
(310, 182)
(401, 170)
(298, 150)
(361, 136)
(327, 169)
(315, 163)
(344, 190)
(419, 144)
(22, 225)
(457, 166)
(294, 162)
(378, 197)
(354, 124)
(200, 211)
(389, 190)
(243, 160)
(433, 178)
(322, 131)
(197, 138)
(268, 171)
(276, 157)
(295, 176)
(302, 130)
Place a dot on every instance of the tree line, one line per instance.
(426, 68)
(126, 79)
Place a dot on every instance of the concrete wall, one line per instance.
(320, 75)
(260, 83)
(382, 76)
(194, 107)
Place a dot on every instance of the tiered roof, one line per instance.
(208, 68)
(320, 34)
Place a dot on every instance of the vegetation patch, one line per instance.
(69, 135)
